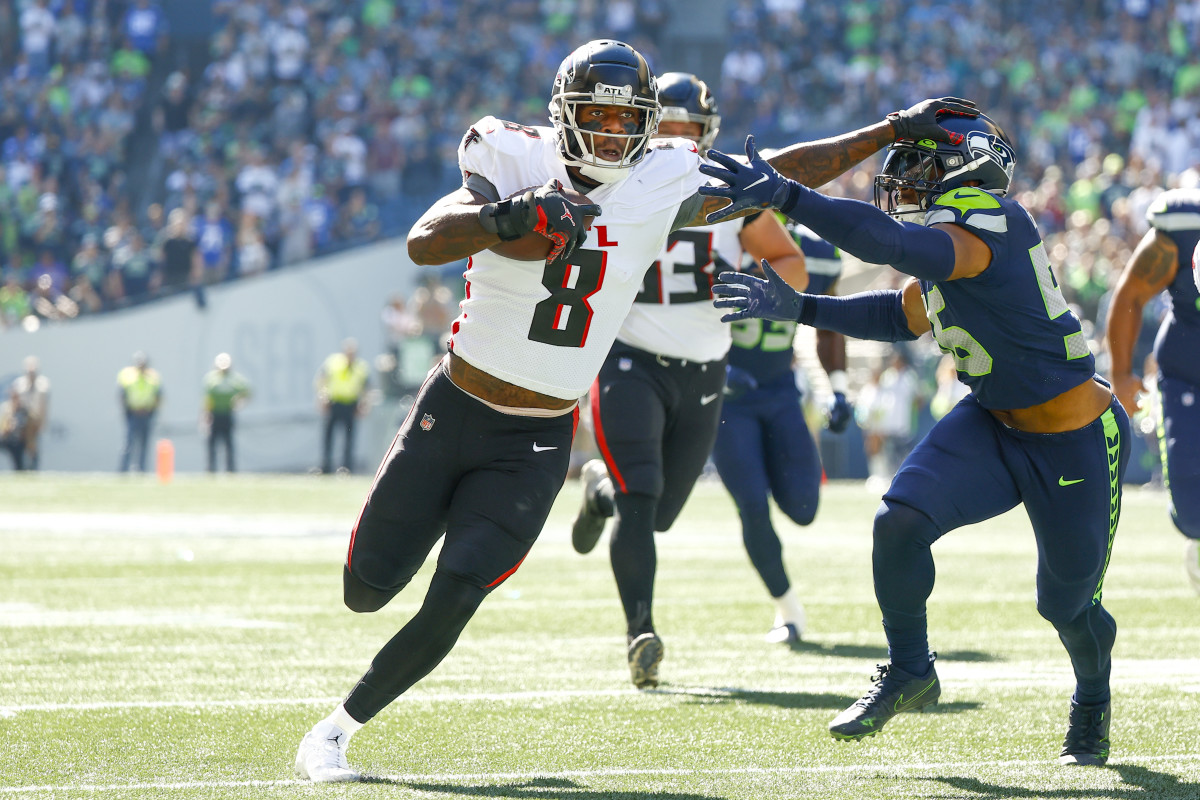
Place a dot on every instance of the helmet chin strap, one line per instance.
(603, 174)
(908, 212)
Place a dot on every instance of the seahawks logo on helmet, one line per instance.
(989, 145)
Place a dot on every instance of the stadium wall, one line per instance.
(278, 327)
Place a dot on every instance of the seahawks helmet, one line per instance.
(603, 72)
(686, 98)
(983, 157)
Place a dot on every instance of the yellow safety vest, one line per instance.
(141, 388)
(345, 380)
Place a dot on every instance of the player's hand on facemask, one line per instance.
(920, 121)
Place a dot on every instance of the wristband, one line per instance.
(509, 219)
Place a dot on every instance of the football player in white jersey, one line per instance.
(485, 449)
(656, 404)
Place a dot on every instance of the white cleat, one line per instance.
(322, 756)
(1192, 559)
(787, 633)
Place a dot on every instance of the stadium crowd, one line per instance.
(129, 170)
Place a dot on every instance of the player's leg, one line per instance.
(230, 454)
(127, 448)
(496, 512)
(349, 423)
(212, 445)
(1072, 493)
(794, 472)
(748, 430)
(629, 416)
(1179, 446)
(429, 467)
(955, 476)
(688, 435)
(327, 439)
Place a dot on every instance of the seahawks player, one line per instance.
(656, 404)
(485, 448)
(1038, 428)
(1163, 261)
(764, 448)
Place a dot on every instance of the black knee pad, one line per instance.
(361, 597)
(896, 523)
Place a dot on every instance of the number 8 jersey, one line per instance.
(548, 327)
(1014, 340)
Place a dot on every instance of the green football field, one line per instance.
(176, 641)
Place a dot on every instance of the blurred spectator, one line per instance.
(225, 391)
(214, 243)
(33, 391)
(134, 275)
(182, 264)
(37, 36)
(358, 221)
(146, 27)
(139, 392)
(13, 422)
(341, 387)
(253, 257)
(886, 412)
(434, 305)
(14, 300)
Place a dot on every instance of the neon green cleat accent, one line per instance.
(1086, 743)
(895, 692)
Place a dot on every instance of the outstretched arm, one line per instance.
(886, 316)
(941, 252)
(817, 163)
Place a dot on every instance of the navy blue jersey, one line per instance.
(764, 347)
(1176, 213)
(1014, 340)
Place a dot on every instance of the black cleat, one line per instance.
(1086, 743)
(589, 523)
(895, 691)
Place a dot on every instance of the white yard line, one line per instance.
(957, 677)
(860, 770)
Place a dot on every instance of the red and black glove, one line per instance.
(920, 121)
(561, 220)
(546, 211)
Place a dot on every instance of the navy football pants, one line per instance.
(971, 468)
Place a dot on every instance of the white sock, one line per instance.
(788, 609)
(343, 721)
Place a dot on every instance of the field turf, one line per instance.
(176, 641)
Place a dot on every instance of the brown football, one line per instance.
(533, 246)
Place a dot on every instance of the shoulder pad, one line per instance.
(968, 198)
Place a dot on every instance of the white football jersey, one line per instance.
(673, 315)
(548, 327)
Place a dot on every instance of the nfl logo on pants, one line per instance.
(426, 422)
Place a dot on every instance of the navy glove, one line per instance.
(738, 381)
(755, 185)
(920, 121)
(839, 413)
(749, 296)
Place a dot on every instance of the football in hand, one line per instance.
(533, 246)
